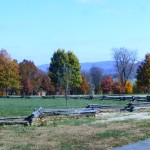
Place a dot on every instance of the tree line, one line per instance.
(65, 76)
(22, 78)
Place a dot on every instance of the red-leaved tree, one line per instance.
(28, 71)
(84, 88)
(107, 84)
(46, 84)
(117, 88)
(27, 88)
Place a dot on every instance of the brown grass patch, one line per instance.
(84, 136)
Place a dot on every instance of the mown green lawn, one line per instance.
(25, 106)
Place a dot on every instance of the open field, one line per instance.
(101, 132)
(18, 106)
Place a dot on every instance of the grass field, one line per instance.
(86, 133)
(18, 106)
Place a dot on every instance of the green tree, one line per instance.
(74, 68)
(143, 75)
(58, 62)
(135, 88)
(64, 71)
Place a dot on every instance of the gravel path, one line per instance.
(108, 117)
(125, 116)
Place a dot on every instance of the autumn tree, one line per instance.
(124, 63)
(96, 76)
(116, 88)
(29, 72)
(9, 72)
(2, 61)
(143, 75)
(129, 87)
(27, 86)
(84, 87)
(107, 84)
(5, 54)
(64, 71)
(87, 75)
(46, 83)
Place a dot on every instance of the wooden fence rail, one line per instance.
(21, 120)
(89, 97)
(91, 109)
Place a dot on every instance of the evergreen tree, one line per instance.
(143, 75)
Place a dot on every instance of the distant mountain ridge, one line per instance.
(44, 67)
(107, 66)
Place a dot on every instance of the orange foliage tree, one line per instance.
(128, 87)
(117, 88)
(84, 88)
(9, 73)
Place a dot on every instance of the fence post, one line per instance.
(148, 98)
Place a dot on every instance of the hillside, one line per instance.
(44, 67)
(107, 66)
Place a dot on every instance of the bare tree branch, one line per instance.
(124, 63)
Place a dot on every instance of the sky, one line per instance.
(35, 29)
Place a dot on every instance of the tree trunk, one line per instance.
(2, 91)
(6, 91)
(66, 93)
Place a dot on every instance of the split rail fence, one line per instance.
(89, 97)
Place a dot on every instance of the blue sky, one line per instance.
(34, 29)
